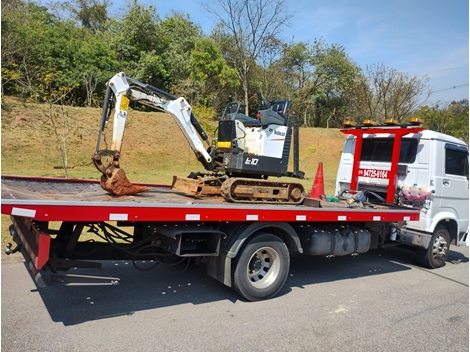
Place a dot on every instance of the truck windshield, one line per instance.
(380, 149)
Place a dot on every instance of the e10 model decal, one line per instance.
(251, 161)
(374, 173)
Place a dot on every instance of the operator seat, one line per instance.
(233, 112)
(270, 117)
(246, 120)
(276, 114)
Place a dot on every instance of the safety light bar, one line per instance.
(390, 123)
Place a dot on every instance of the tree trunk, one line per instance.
(245, 91)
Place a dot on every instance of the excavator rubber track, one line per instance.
(255, 191)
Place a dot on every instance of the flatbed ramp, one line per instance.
(57, 199)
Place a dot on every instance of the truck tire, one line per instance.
(261, 267)
(436, 255)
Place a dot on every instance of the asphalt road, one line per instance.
(379, 301)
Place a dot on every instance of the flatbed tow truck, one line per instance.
(65, 227)
(246, 246)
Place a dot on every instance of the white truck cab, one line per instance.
(432, 175)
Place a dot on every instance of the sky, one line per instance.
(417, 37)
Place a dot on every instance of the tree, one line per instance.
(78, 58)
(452, 120)
(62, 124)
(43, 47)
(250, 25)
(95, 65)
(269, 73)
(133, 36)
(384, 93)
(11, 46)
(298, 63)
(177, 35)
(210, 70)
(18, 48)
(90, 14)
(319, 76)
(154, 50)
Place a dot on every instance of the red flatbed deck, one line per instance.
(59, 199)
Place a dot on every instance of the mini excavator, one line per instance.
(238, 162)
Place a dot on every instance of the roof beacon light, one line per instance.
(391, 122)
(348, 124)
(416, 121)
(369, 123)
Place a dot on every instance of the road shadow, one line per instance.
(306, 270)
(456, 257)
(170, 286)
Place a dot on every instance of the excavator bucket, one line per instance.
(119, 185)
(114, 180)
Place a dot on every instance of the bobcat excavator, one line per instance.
(238, 162)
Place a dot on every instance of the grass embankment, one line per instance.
(154, 148)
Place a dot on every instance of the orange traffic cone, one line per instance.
(318, 189)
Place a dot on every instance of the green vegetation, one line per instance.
(65, 52)
(452, 119)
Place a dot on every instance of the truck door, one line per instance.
(452, 186)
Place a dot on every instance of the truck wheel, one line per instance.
(261, 267)
(436, 255)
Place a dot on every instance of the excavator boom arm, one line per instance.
(158, 99)
(123, 93)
